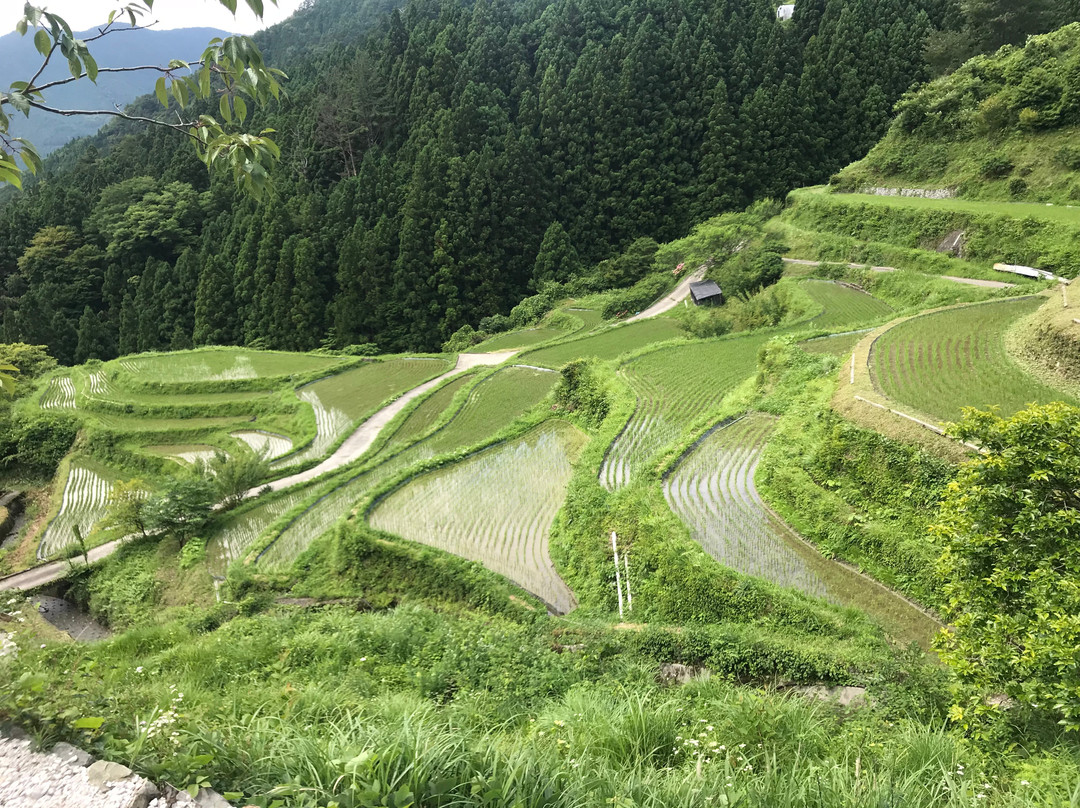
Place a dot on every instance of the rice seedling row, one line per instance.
(713, 492)
(425, 414)
(519, 339)
(941, 362)
(496, 508)
(674, 386)
(186, 454)
(607, 344)
(836, 345)
(270, 443)
(494, 403)
(340, 401)
(844, 307)
(224, 365)
(83, 503)
(242, 530)
(59, 395)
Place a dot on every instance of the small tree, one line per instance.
(127, 507)
(182, 508)
(235, 476)
(1010, 524)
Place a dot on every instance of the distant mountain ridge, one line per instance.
(124, 48)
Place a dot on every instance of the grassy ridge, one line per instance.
(1034, 235)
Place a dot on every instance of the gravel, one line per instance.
(31, 779)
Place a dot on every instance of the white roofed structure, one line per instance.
(786, 11)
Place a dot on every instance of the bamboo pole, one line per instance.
(626, 568)
(618, 580)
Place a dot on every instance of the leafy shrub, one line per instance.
(582, 390)
(996, 166)
(41, 440)
(751, 269)
(1017, 186)
(463, 339)
(495, 324)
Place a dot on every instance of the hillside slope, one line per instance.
(1002, 127)
(19, 60)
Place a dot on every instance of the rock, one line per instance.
(103, 772)
(954, 244)
(13, 732)
(677, 673)
(843, 696)
(144, 792)
(209, 798)
(71, 754)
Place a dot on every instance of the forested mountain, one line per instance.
(19, 59)
(431, 152)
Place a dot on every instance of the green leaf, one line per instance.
(43, 42)
(161, 92)
(180, 92)
(89, 722)
(91, 66)
(226, 111)
(20, 27)
(241, 108)
(20, 102)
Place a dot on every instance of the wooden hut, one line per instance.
(706, 293)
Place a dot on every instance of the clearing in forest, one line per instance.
(496, 507)
(938, 363)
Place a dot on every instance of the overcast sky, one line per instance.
(83, 14)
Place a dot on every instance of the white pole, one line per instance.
(618, 580)
(626, 567)
(1064, 296)
(853, 368)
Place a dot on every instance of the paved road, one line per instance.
(54, 570)
(360, 441)
(969, 281)
(352, 448)
(680, 293)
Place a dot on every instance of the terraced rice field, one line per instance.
(84, 503)
(843, 306)
(240, 531)
(607, 344)
(495, 508)
(423, 417)
(341, 401)
(938, 363)
(519, 339)
(590, 318)
(59, 395)
(674, 386)
(495, 403)
(224, 365)
(272, 444)
(713, 492)
(186, 454)
(836, 345)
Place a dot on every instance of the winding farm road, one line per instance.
(667, 303)
(967, 281)
(351, 449)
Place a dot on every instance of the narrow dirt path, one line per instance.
(677, 296)
(968, 281)
(351, 449)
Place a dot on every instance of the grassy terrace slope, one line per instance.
(1044, 236)
(938, 363)
(496, 508)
